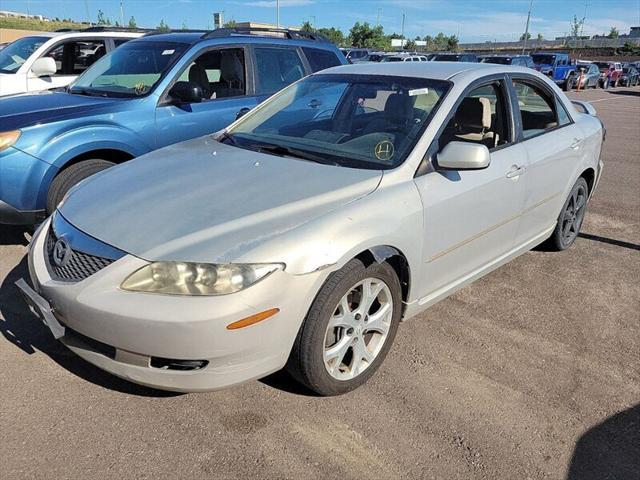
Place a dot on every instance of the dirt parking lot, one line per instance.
(532, 372)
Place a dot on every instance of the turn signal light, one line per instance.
(253, 319)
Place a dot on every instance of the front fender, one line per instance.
(72, 143)
(390, 216)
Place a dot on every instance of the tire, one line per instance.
(605, 84)
(569, 222)
(69, 177)
(568, 84)
(312, 362)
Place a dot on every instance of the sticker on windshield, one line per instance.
(418, 91)
(140, 88)
(168, 52)
(384, 150)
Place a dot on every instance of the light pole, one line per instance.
(378, 18)
(526, 29)
(584, 17)
(121, 13)
(278, 13)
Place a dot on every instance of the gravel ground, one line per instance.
(532, 372)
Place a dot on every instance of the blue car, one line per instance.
(558, 67)
(147, 94)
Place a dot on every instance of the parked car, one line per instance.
(374, 57)
(149, 93)
(610, 73)
(454, 57)
(355, 55)
(629, 76)
(518, 60)
(558, 67)
(404, 58)
(49, 60)
(308, 229)
(588, 75)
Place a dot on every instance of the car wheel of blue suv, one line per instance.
(70, 176)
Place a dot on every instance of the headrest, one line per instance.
(231, 68)
(474, 112)
(399, 107)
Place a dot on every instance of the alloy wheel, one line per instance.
(573, 215)
(358, 329)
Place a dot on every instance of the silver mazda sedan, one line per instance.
(302, 234)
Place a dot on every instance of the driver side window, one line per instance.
(480, 118)
(219, 73)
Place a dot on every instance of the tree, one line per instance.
(410, 45)
(132, 23)
(613, 33)
(576, 26)
(526, 36)
(307, 27)
(364, 36)
(230, 24)
(163, 27)
(335, 35)
(102, 20)
(452, 43)
(539, 37)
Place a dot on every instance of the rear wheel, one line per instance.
(571, 217)
(568, 84)
(69, 177)
(348, 330)
(605, 84)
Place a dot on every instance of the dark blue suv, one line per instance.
(148, 93)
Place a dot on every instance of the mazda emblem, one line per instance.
(61, 252)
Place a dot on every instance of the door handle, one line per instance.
(515, 171)
(576, 143)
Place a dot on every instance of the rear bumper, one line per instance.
(12, 216)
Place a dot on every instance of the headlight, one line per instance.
(8, 138)
(180, 278)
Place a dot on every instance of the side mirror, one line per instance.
(44, 67)
(186, 92)
(464, 156)
(242, 112)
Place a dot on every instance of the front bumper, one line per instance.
(121, 332)
(12, 216)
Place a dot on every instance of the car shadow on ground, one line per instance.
(22, 329)
(610, 449)
(631, 93)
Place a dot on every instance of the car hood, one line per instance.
(19, 111)
(204, 201)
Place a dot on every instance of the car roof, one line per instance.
(80, 34)
(434, 70)
(192, 38)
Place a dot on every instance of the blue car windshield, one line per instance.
(543, 59)
(359, 121)
(132, 70)
(16, 53)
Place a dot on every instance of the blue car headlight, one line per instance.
(8, 139)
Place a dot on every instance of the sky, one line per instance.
(471, 20)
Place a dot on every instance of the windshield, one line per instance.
(131, 70)
(392, 59)
(602, 66)
(544, 59)
(359, 121)
(16, 53)
(499, 60)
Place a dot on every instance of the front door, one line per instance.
(471, 217)
(221, 74)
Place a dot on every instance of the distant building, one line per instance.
(261, 25)
(8, 14)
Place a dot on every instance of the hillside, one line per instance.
(31, 24)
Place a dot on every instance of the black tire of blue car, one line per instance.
(70, 176)
(570, 218)
(306, 360)
(569, 83)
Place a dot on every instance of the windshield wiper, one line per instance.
(226, 136)
(292, 152)
(87, 92)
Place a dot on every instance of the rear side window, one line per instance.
(277, 68)
(320, 59)
(537, 109)
(74, 57)
(119, 41)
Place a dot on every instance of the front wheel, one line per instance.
(571, 217)
(605, 84)
(568, 84)
(348, 330)
(71, 176)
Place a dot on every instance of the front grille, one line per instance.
(79, 265)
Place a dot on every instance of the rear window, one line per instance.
(320, 59)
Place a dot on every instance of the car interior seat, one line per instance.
(398, 112)
(231, 76)
(198, 75)
(473, 122)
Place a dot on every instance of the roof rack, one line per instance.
(160, 32)
(266, 31)
(102, 28)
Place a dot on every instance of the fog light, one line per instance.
(183, 365)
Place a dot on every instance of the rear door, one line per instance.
(553, 143)
(225, 76)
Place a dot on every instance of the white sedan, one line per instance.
(302, 234)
